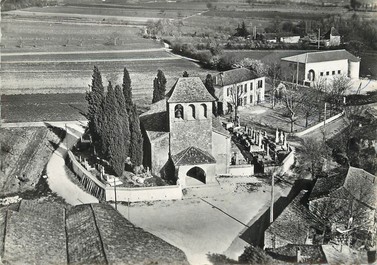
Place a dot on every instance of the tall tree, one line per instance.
(127, 89)
(292, 101)
(124, 119)
(136, 145)
(208, 83)
(236, 95)
(159, 87)
(95, 98)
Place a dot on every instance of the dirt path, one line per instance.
(58, 179)
(81, 52)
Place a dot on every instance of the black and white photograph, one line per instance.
(188, 132)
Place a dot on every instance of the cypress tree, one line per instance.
(95, 99)
(136, 145)
(124, 119)
(208, 83)
(159, 87)
(127, 89)
(113, 140)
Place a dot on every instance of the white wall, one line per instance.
(254, 92)
(325, 67)
(144, 194)
(241, 170)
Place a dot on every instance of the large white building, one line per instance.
(313, 66)
(238, 84)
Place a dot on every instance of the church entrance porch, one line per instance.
(195, 176)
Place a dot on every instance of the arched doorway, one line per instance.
(197, 173)
(311, 75)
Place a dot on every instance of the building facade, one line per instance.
(183, 141)
(240, 85)
(312, 67)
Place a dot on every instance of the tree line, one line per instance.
(114, 123)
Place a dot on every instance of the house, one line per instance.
(347, 198)
(295, 253)
(46, 232)
(240, 85)
(312, 67)
(183, 142)
(289, 39)
(331, 38)
(295, 225)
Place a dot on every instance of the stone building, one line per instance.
(331, 38)
(238, 84)
(183, 142)
(311, 67)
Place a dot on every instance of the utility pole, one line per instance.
(272, 198)
(324, 125)
(115, 194)
(297, 72)
(319, 37)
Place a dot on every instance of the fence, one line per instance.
(319, 124)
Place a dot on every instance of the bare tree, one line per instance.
(291, 99)
(236, 95)
(274, 73)
(337, 90)
(314, 152)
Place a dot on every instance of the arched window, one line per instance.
(311, 75)
(192, 111)
(204, 110)
(178, 111)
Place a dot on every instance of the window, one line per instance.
(251, 86)
(251, 99)
(321, 74)
(327, 73)
(245, 88)
(333, 72)
(339, 72)
(178, 111)
(244, 100)
(260, 83)
(192, 111)
(204, 110)
(228, 91)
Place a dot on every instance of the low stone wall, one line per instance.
(288, 161)
(144, 194)
(319, 124)
(241, 170)
(90, 182)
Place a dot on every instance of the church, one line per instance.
(183, 141)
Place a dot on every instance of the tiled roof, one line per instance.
(47, 233)
(217, 127)
(323, 56)
(193, 156)
(312, 253)
(189, 89)
(326, 185)
(294, 222)
(342, 183)
(235, 76)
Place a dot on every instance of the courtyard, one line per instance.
(208, 220)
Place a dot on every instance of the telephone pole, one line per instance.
(319, 37)
(272, 198)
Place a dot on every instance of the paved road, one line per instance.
(332, 129)
(61, 124)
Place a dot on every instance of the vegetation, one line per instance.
(18, 4)
(251, 255)
(159, 87)
(114, 123)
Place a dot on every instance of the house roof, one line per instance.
(49, 233)
(288, 253)
(235, 76)
(326, 185)
(193, 156)
(332, 32)
(294, 222)
(354, 181)
(322, 56)
(189, 89)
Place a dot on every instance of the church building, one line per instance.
(183, 141)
